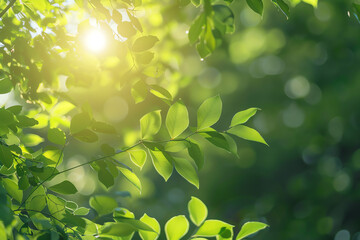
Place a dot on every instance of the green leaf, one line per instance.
(102, 204)
(247, 133)
(161, 163)
(6, 117)
(131, 177)
(160, 92)
(212, 228)
(250, 228)
(25, 122)
(154, 224)
(283, 7)
(356, 11)
(139, 91)
(197, 210)
(176, 146)
(243, 116)
(64, 187)
(196, 3)
(196, 154)
(231, 143)
(176, 227)
(37, 200)
(31, 140)
(196, 28)
(150, 124)
(138, 157)
(117, 229)
(105, 177)
(6, 157)
(56, 206)
(177, 119)
(102, 127)
(224, 19)
(86, 135)
(216, 139)
(209, 112)
(80, 122)
(5, 86)
(187, 170)
(145, 58)
(314, 3)
(81, 211)
(12, 189)
(256, 5)
(57, 136)
(144, 43)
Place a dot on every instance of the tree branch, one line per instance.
(7, 8)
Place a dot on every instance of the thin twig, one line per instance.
(7, 8)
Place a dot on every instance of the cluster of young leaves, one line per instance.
(35, 50)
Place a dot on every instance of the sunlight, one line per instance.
(95, 40)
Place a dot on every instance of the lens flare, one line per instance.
(95, 40)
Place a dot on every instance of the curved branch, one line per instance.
(7, 8)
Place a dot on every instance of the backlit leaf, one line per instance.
(64, 187)
(161, 164)
(177, 119)
(57, 136)
(150, 124)
(176, 227)
(250, 228)
(243, 116)
(153, 223)
(144, 43)
(102, 204)
(187, 170)
(247, 133)
(209, 112)
(197, 210)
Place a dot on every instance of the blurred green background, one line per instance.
(304, 74)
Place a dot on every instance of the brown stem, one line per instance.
(7, 8)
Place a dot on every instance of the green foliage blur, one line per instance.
(295, 67)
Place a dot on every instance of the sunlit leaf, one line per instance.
(161, 164)
(197, 210)
(212, 228)
(131, 177)
(81, 211)
(144, 43)
(196, 28)
(243, 116)
(102, 204)
(177, 119)
(138, 157)
(209, 112)
(283, 7)
(86, 135)
(150, 124)
(153, 223)
(12, 189)
(250, 228)
(80, 122)
(176, 227)
(247, 133)
(187, 170)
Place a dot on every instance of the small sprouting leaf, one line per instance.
(187, 170)
(196, 28)
(12, 189)
(150, 124)
(243, 116)
(256, 5)
(138, 157)
(177, 119)
(57, 136)
(64, 187)
(105, 177)
(250, 228)
(5, 86)
(212, 228)
(196, 154)
(102, 204)
(86, 135)
(209, 112)
(176, 227)
(197, 210)
(247, 133)
(283, 7)
(102, 127)
(153, 223)
(131, 177)
(80, 122)
(161, 163)
(144, 43)
(6, 156)
(176, 146)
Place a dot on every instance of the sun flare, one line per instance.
(95, 40)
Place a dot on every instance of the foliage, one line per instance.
(54, 78)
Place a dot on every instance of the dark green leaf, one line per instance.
(86, 135)
(80, 122)
(102, 127)
(5, 86)
(196, 154)
(256, 5)
(57, 136)
(283, 7)
(196, 28)
(64, 187)
(6, 156)
(105, 177)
